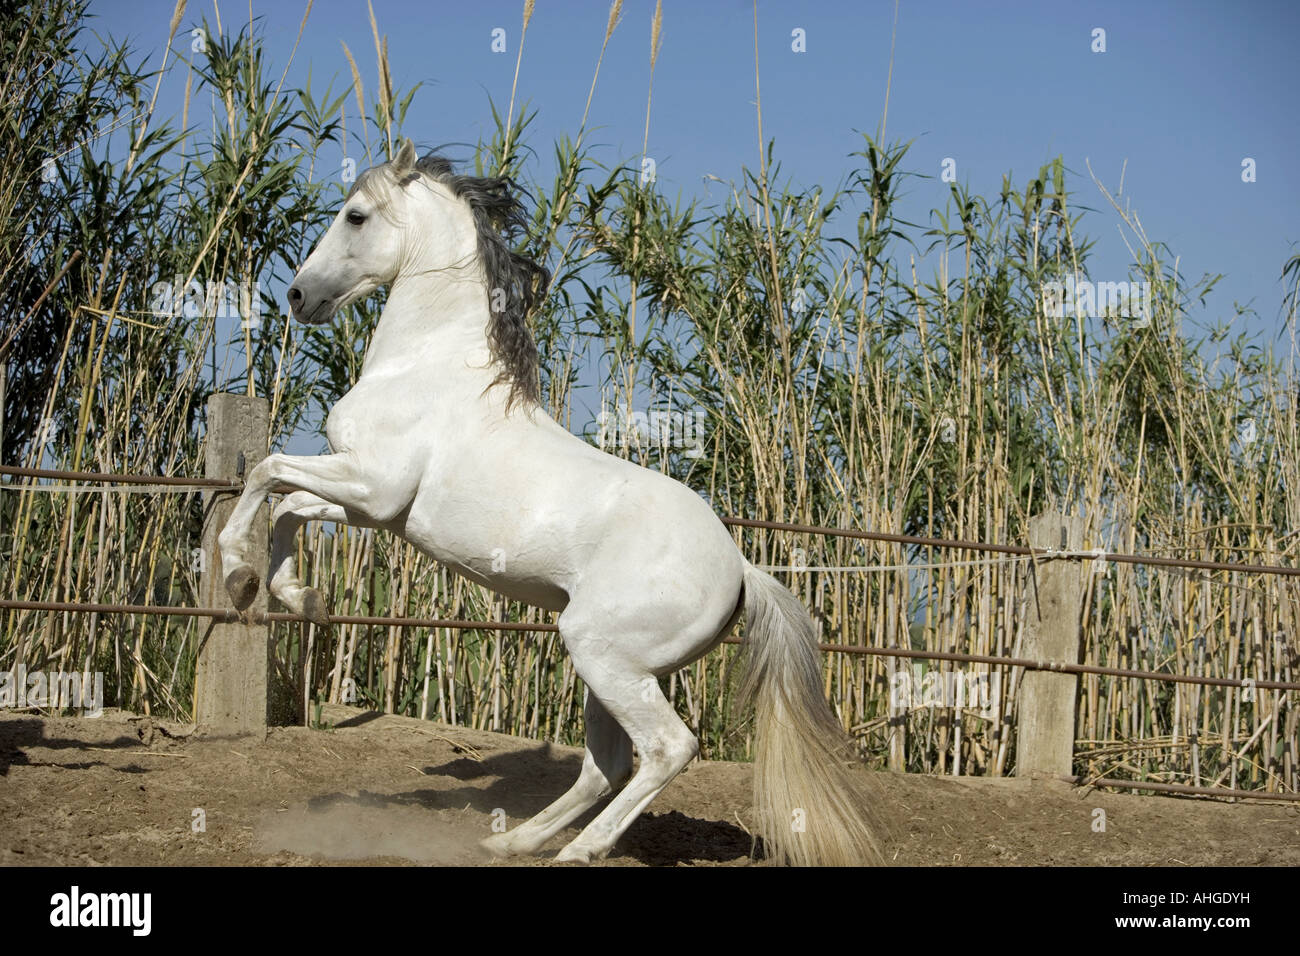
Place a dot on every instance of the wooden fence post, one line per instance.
(232, 693)
(4, 383)
(1045, 729)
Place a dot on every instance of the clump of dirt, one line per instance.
(375, 789)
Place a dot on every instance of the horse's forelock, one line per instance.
(377, 184)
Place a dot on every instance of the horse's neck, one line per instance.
(435, 324)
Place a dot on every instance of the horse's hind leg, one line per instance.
(290, 514)
(663, 742)
(605, 767)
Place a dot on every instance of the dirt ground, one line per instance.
(123, 790)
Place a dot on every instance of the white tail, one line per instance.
(811, 805)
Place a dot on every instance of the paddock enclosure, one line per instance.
(383, 789)
(1047, 532)
(360, 785)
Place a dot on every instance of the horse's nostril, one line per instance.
(295, 297)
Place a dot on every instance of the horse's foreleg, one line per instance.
(290, 514)
(605, 767)
(335, 479)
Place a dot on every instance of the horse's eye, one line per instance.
(356, 218)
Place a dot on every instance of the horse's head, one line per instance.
(409, 217)
(368, 246)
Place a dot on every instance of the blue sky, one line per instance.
(1184, 92)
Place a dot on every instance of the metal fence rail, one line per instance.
(229, 616)
(225, 615)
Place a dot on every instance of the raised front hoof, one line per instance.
(313, 607)
(241, 584)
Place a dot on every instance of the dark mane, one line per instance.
(514, 283)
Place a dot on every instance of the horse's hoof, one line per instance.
(570, 854)
(498, 844)
(241, 584)
(313, 607)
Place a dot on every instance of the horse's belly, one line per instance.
(530, 590)
(492, 566)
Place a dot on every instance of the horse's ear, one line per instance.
(404, 161)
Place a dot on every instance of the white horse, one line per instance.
(442, 441)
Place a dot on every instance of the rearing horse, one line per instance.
(442, 441)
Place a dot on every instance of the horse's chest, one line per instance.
(366, 418)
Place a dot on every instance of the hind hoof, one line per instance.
(575, 854)
(498, 845)
(242, 587)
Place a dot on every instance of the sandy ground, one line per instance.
(124, 790)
